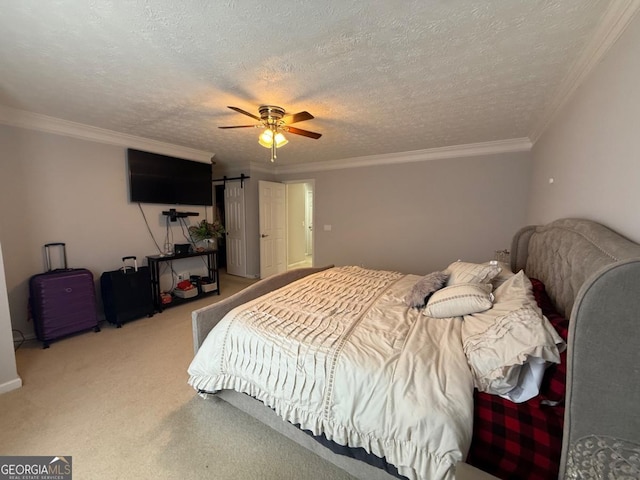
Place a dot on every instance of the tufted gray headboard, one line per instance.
(565, 253)
(592, 274)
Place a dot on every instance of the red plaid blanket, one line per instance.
(523, 441)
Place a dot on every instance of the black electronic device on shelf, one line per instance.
(174, 215)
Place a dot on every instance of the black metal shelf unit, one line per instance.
(155, 261)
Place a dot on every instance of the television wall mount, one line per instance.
(174, 215)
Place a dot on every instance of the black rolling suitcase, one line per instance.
(126, 293)
(62, 301)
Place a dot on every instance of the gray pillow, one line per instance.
(424, 288)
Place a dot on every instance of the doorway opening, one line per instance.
(300, 196)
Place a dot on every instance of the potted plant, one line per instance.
(206, 232)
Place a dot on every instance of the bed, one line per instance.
(580, 271)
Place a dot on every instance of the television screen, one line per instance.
(155, 178)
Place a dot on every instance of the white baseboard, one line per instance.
(10, 385)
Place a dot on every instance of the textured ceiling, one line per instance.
(379, 76)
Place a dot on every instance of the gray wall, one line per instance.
(413, 217)
(61, 189)
(592, 149)
(418, 217)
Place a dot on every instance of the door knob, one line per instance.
(263, 235)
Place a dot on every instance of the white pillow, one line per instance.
(504, 275)
(501, 344)
(460, 299)
(516, 289)
(465, 272)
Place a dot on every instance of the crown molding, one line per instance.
(457, 151)
(43, 123)
(35, 121)
(615, 20)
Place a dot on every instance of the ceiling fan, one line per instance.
(275, 120)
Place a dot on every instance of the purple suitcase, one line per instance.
(62, 301)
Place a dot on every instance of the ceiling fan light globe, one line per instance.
(266, 138)
(280, 140)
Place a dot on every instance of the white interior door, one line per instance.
(309, 219)
(273, 248)
(234, 214)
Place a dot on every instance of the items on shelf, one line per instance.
(179, 295)
(181, 248)
(185, 289)
(207, 285)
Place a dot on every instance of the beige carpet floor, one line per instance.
(119, 404)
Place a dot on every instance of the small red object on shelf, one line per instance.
(185, 285)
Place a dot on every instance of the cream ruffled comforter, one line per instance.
(341, 354)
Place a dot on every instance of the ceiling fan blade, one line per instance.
(297, 117)
(239, 110)
(240, 126)
(304, 133)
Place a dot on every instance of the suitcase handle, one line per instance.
(128, 267)
(47, 247)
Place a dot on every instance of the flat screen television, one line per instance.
(155, 178)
